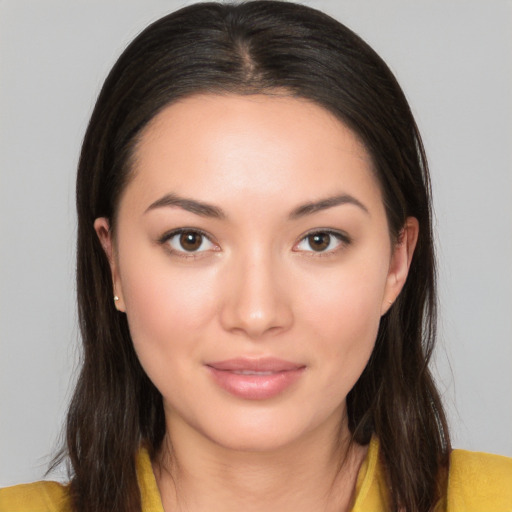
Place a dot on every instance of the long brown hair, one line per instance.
(253, 47)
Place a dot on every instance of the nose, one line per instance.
(256, 303)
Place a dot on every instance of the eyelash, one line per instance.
(343, 239)
(167, 237)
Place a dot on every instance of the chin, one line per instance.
(266, 430)
(256, 441)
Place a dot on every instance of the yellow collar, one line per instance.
(367, 495)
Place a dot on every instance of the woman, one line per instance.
(256, 282)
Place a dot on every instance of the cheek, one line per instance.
(347, 303)
(167, 308)
(344, 316)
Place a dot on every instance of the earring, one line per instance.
(116, 298)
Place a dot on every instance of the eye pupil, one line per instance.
(191, 241)
(319, 241)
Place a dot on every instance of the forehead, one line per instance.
(221, 146)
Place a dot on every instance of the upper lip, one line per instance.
(263, 364)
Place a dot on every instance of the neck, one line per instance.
(307, 475)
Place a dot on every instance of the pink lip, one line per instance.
(255, 379)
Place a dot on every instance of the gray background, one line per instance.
(453, 58)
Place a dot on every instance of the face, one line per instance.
(253, 260)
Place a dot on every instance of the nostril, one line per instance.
(256, 320)
(255, 300)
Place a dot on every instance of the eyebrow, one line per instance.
(324, 204)
(209, 210)
(190, 205)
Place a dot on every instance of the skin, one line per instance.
(255, 288)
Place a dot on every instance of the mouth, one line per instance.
(249, 372)
(255, 379)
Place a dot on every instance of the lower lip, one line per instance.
(255, 387)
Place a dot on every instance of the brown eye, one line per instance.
(191, 240)
(188, 241)
(322, 242)
(319, 241)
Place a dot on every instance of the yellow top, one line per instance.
(478, 482)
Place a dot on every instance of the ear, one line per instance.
(400, 262)
(102, 228)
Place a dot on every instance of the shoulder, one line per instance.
(479, 481)
(36, 497)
